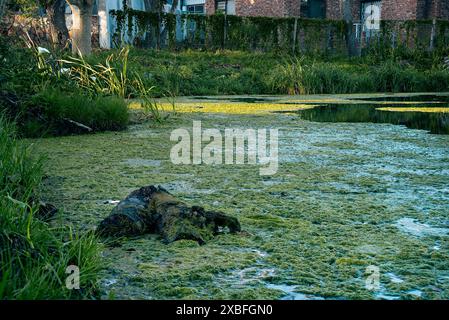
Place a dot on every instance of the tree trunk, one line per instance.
(58, 29)
(154, 210)
(82, 26)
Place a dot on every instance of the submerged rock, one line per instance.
(154, 210)
(46, 211)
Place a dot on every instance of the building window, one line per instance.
(221, 6)
(313, 9)
(196, 9)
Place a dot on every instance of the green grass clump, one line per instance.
(34, 255)
(57, 113)
(300, 76)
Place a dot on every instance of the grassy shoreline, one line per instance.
(35, 253)
(191, 72)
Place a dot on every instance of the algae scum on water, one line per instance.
(347, 196)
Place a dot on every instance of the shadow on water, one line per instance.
(437, 123)
(417, 98)
(238, 99)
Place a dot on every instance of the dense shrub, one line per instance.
(45, 101)
(52, 112)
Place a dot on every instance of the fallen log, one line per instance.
(154, 210)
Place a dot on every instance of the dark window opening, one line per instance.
(196, 9)
(315, 9)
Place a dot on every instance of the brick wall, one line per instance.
(292, 8)
(442, 9)
(399, 9)
(334, 9)
(391, 9)
(268, 8)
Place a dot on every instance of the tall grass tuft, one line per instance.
(108, 78)
(300, 76)
(288, 77)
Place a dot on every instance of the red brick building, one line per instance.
(390, 9)
(268, 8)
(333, 9)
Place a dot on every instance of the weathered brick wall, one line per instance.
(415, 9)
(334, 9)
(443, 9)
(399, 10)
(292, 8)
(268, 8)
(394, 9)
(356, 10)
(391, 9)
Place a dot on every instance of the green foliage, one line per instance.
(234, 72)
(221, 31)
(33, 255)
(302, 77)
(151, 108)
(108, 78)
(52, 96)
(59, 112)
(20, 173)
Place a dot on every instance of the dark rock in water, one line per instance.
(154, 210)
(46, 211)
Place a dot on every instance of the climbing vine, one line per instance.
(156, 29)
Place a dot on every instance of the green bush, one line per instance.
(52, 112)
(44, 100)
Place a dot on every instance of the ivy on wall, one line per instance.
(154, 29)
(142, 28)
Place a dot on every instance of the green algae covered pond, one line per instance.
(348, 195)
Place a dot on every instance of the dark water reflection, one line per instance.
(437, 123)
(417, 98)
(238, 99)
